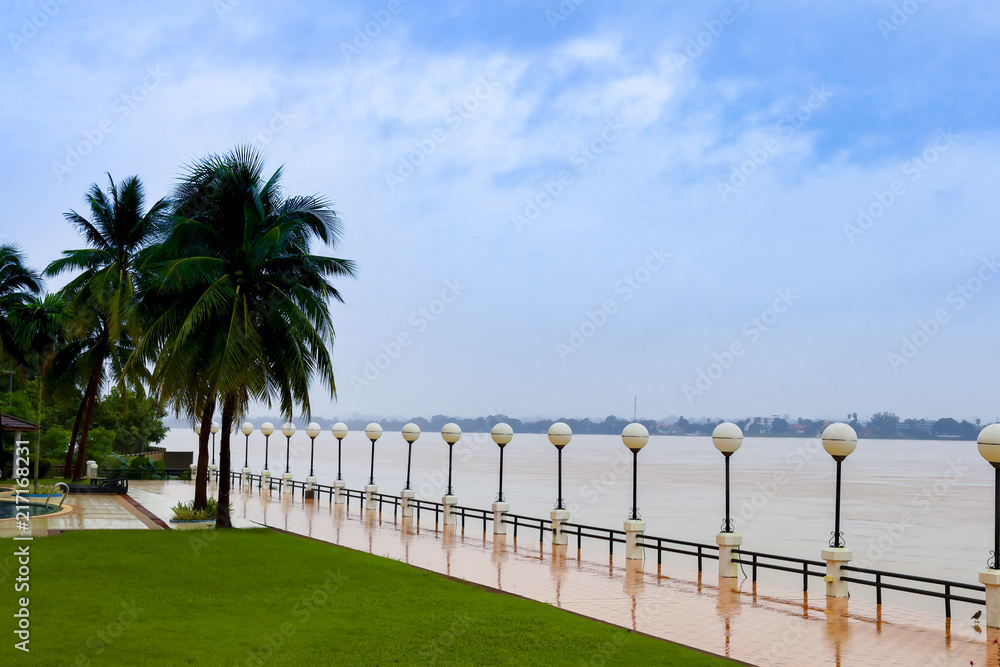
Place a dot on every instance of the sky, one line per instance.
(720, 209)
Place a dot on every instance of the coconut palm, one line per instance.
(17, 284)
(247, 304)
(39, 327)
(103, 295)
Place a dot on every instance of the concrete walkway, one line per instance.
(761, 624)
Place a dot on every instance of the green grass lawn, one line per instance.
(252, 597)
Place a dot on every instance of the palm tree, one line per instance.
(39, 328)
(249, 304)
(103, 295)
(17, 284)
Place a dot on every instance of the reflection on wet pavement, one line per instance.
(760, 623)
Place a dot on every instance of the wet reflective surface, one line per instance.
(765, 624)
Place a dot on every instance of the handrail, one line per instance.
(54, 487)
(755, 559)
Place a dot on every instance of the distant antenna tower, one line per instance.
(635, 404)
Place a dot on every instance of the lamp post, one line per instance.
(727, 438)
(267, 428)
(839, 440)
(559, 435)
(339, 432)
(312, 430)
(246, 428)
(194, 466)
(502, 434)
(635, 436)
(450, 433)
(215, 429)
(373, 432)
(410, 433)
(989, 448)
(287, 430)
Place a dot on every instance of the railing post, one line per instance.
(499, 509)
(371, 504)
(449, 502)
(405, 496)
(836, 558)
(285, 478)
(991, 579)
(633, 533)
(338, 491)
(559, 517)
(729, 544)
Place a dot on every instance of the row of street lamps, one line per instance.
(839, 440)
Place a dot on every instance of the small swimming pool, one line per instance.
(9, 509)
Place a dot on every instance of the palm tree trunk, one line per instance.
(72, 441)
(38, 433)
(91, 399)
(201, 480)
(223, 520)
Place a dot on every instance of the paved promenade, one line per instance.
(763, 624)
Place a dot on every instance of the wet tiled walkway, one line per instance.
(762, 624)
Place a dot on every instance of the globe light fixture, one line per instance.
(312, 430)
(502, 434)
(559, 435)
(267, 428)
(410, 433)
(373, 432)
(246, 428)
(989, 449)
(451, 434)
(635, 436)
(215, 429)
(839, 440)
(288, 430)
(339, 431)
(727, 438)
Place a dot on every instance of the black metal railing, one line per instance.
(946, 594)
(756, 560)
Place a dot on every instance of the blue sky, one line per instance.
(558, 206)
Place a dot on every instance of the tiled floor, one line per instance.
(762, 624)
(95, 511)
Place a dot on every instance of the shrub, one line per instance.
(186, 511)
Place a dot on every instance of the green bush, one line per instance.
(186, 512)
